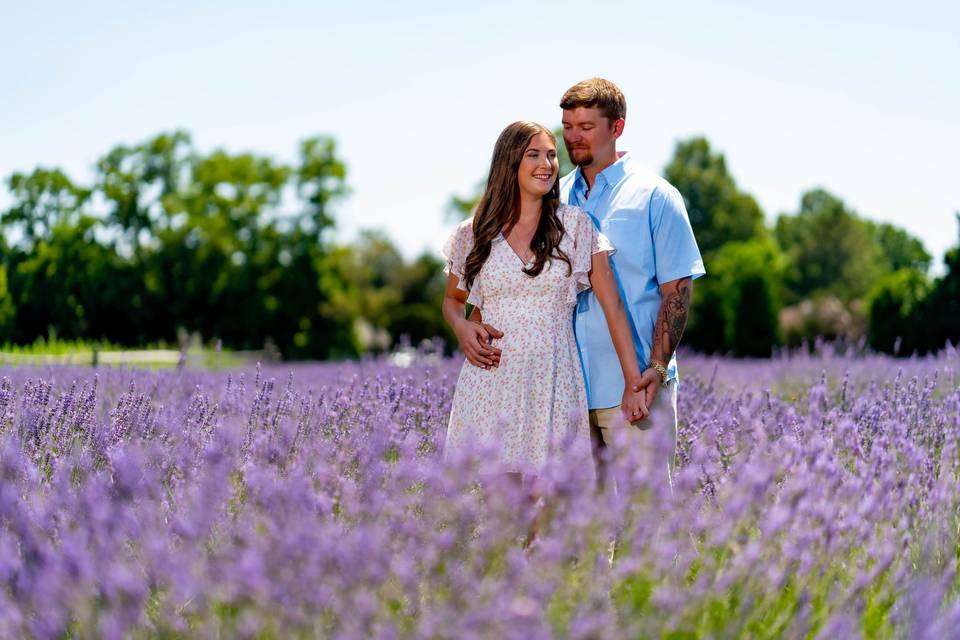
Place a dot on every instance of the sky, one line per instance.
(860, 98)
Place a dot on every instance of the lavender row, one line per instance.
(813, 496)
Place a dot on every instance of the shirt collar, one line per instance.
(611, 175)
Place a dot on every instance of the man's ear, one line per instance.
(618, 125)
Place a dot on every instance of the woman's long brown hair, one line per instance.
(499, 207)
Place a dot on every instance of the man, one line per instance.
(655, 263)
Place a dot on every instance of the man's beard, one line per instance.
(583, 159)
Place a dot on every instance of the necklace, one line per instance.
(526, 256)
(526, 260)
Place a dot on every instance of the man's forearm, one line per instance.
(671, 320)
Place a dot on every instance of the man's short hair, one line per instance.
(596, 92)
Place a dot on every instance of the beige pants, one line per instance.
(653, 441)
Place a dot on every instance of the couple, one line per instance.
(580, 289)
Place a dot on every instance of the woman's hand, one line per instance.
(474, 339)
(649, 385)
(634, 405)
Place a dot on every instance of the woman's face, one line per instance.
(538, 166)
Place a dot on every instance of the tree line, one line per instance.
(236, 247)
(822, 271)
(239, 247)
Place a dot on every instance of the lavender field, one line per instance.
(814, 496)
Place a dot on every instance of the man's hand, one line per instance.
(474, 339)
(649, 384)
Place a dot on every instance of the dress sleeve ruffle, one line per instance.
(455, 250)
(587, 240)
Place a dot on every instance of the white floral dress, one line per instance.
(534, 404)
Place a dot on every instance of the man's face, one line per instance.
(590, 136)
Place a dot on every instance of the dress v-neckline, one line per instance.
(514, 251)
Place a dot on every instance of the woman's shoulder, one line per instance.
(466, 226)
(463, 231)
(571, 216)
(459, 242)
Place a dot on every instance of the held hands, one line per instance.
(648, 385)
(634, 405)
(474, 338)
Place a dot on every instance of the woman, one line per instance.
(521, 260)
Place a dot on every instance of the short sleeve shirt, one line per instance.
(645, 219)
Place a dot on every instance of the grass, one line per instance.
(101, 352)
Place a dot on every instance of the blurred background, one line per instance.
(279, 177)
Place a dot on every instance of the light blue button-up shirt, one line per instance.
(645, 219)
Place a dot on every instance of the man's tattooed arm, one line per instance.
(672, 319)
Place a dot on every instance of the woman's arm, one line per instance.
(473, 337)
(605, 287)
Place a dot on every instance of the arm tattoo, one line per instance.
(671, 321)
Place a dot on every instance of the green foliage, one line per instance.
(896, 305)
(395, 297)
(320, 181)
(830, 249)
(65, 284)
(901, 250)
(461, 207)
(736, 308)
(7, 310)
(180, 241)
(908, 313)
(719, 212)
(939, 318)
(566, 166)
(141, 185)
(42, 200)
(892, 302)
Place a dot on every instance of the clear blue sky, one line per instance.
(861, 98)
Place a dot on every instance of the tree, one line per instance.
(938, 317)
(65, 284)
(719, 212)
(188, 241)
(893, 303)
(830, 249)
(376, 264)
(736, 308)
(7, 308)
(141, 185)
(909, 314)
(422, 284)
(320, 181)
(728, 225)
(42, 200)
(902, 251)
(393, 296)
